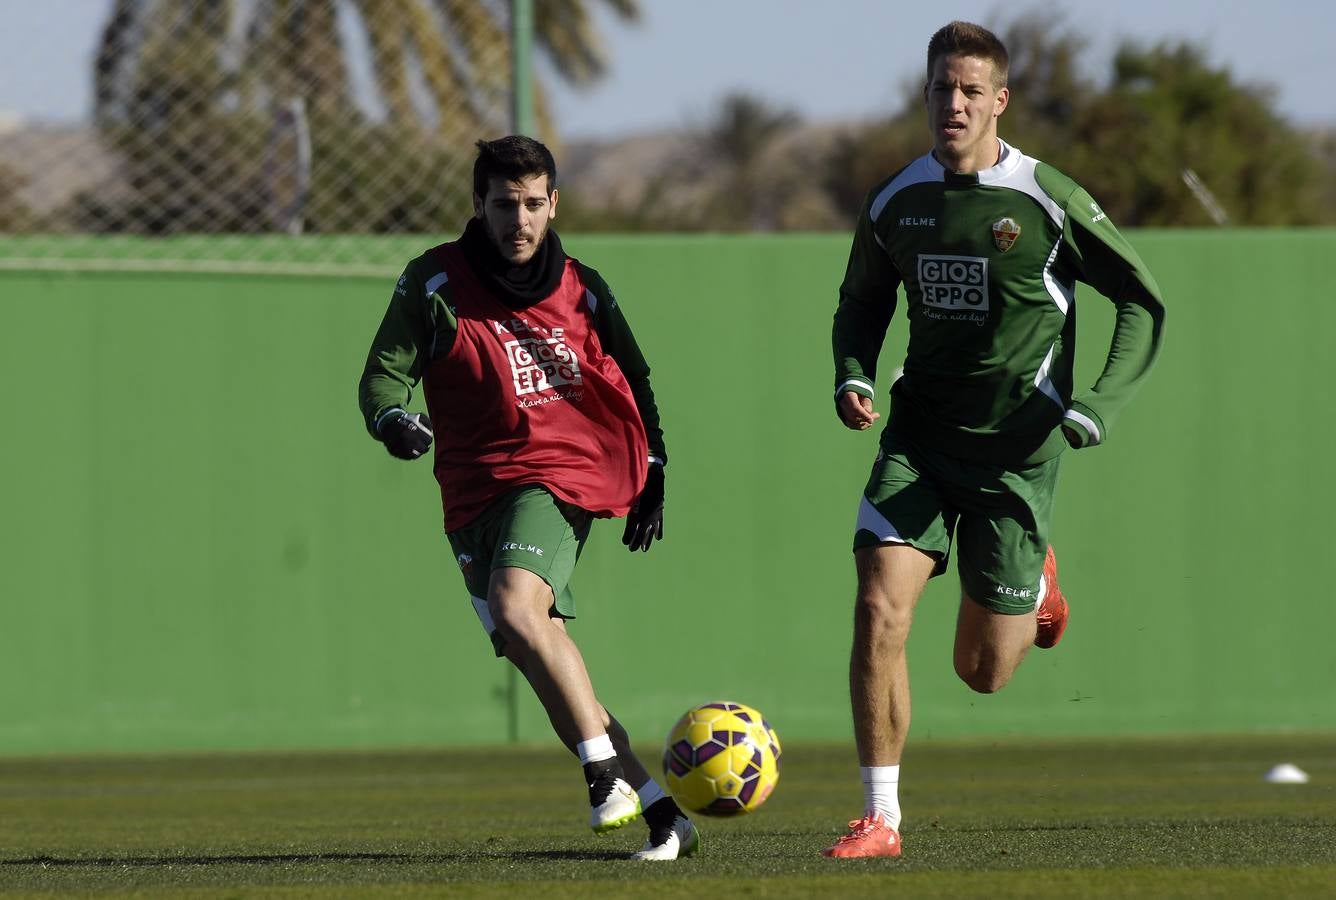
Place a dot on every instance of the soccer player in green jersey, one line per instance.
(543, 419)
(987, 245)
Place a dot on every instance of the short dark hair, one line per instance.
(968, 39)
(514, 158)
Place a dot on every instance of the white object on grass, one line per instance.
(1286, 773)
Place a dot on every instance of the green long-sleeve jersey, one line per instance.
(989, 263)
(419, 326)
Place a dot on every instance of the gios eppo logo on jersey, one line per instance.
(542, 363)
(954, 287)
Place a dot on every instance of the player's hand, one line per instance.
(856, 411)
(644, 523)
(1073, 439)
(406, 435)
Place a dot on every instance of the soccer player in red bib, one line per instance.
(541, 412)
(988, 245)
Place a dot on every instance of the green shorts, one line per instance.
(1000, 517)
(525, 528)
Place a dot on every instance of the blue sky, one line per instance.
(826, 59)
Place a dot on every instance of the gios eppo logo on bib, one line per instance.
(540, 359)
(954, 286)
(540, 364)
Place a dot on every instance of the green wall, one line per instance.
(204, 550)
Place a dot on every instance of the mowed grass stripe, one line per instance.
(1173, 817)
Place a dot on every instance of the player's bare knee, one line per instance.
(983, 681)
(981, 675)
(980, 667)
(516, 621)
(877, 614)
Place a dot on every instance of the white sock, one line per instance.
(649, 793)
(881, 792)
(596, 749)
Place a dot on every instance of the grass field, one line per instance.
(1090, 818)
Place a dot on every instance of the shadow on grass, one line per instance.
(521, 855)
(242, 859)
(237, 859)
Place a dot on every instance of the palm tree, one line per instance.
(455, 53)
(388, 93)
(744, 129)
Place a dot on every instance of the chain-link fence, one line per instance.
(262, 134)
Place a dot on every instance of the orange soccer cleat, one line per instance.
(867, 837)
(1051, 617)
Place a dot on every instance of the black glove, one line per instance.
(405, 435)
(644, 523)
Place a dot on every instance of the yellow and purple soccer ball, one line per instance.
(721, 759)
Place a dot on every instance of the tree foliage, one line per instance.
(198, 99)
(1163, 110)
(245, 116)
(1179, 113)
(1160, 117)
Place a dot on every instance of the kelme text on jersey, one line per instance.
(953, 284)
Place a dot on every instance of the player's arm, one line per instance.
(398, 355)
(644, 523)
(1107, 262)
(620, 343)
(867, 302)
